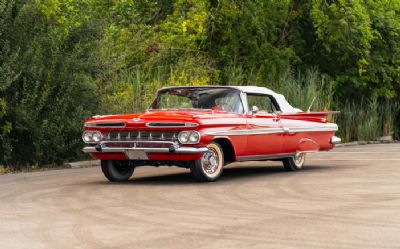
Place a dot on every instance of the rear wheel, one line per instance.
(294, 163)
(209, 167)
(117, 171)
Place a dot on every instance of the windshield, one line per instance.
(223, 99)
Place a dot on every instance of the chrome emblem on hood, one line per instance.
(136, 119)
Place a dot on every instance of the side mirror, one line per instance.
(254, 109)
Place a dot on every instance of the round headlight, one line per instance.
(87, 137)
(194, 137)
(183, 137)
(189, 137)
(96, 136)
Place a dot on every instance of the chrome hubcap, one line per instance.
(299, 158)
(210, 161)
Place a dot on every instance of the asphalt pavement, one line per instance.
(346, 198)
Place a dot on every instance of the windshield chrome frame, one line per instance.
(242, 98)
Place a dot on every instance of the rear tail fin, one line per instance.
(312, 116)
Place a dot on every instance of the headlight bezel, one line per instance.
(184, 137)
(88, 137)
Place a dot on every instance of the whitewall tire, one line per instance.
(294, 163)
(209, 167)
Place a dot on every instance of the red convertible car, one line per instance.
(204, 128)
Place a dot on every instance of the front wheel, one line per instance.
(294, 163)
(209, 167)
(117, 171)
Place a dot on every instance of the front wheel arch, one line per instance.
(227, 148)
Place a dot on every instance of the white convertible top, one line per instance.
(282, 102)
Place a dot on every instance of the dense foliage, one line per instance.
(47, 82)
(64, 60)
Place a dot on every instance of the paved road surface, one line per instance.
(347, 198)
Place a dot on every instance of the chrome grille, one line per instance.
(140, 144)
(141, 136)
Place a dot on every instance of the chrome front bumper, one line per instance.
(176, 150)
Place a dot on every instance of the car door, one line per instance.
(265, 132)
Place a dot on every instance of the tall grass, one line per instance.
(365, 119)
(368, 120)
(133, 89)
(360, 121)
(300, 90)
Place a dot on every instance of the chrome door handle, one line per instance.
(276, 119)
(287, 130)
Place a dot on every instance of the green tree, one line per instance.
(52, 90)
(8, 76)
(357, 43)
(248, 41)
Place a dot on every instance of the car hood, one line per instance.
(141, 119)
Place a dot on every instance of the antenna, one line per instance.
(312, 102)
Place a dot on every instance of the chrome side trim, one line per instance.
(171, 124)
(335, 140)
(180, 150)
(264, 157)
(265, 131)
(271, 131)
(106, 125)
(313, 129)
(247, 132)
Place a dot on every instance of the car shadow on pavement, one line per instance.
(235, 173)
